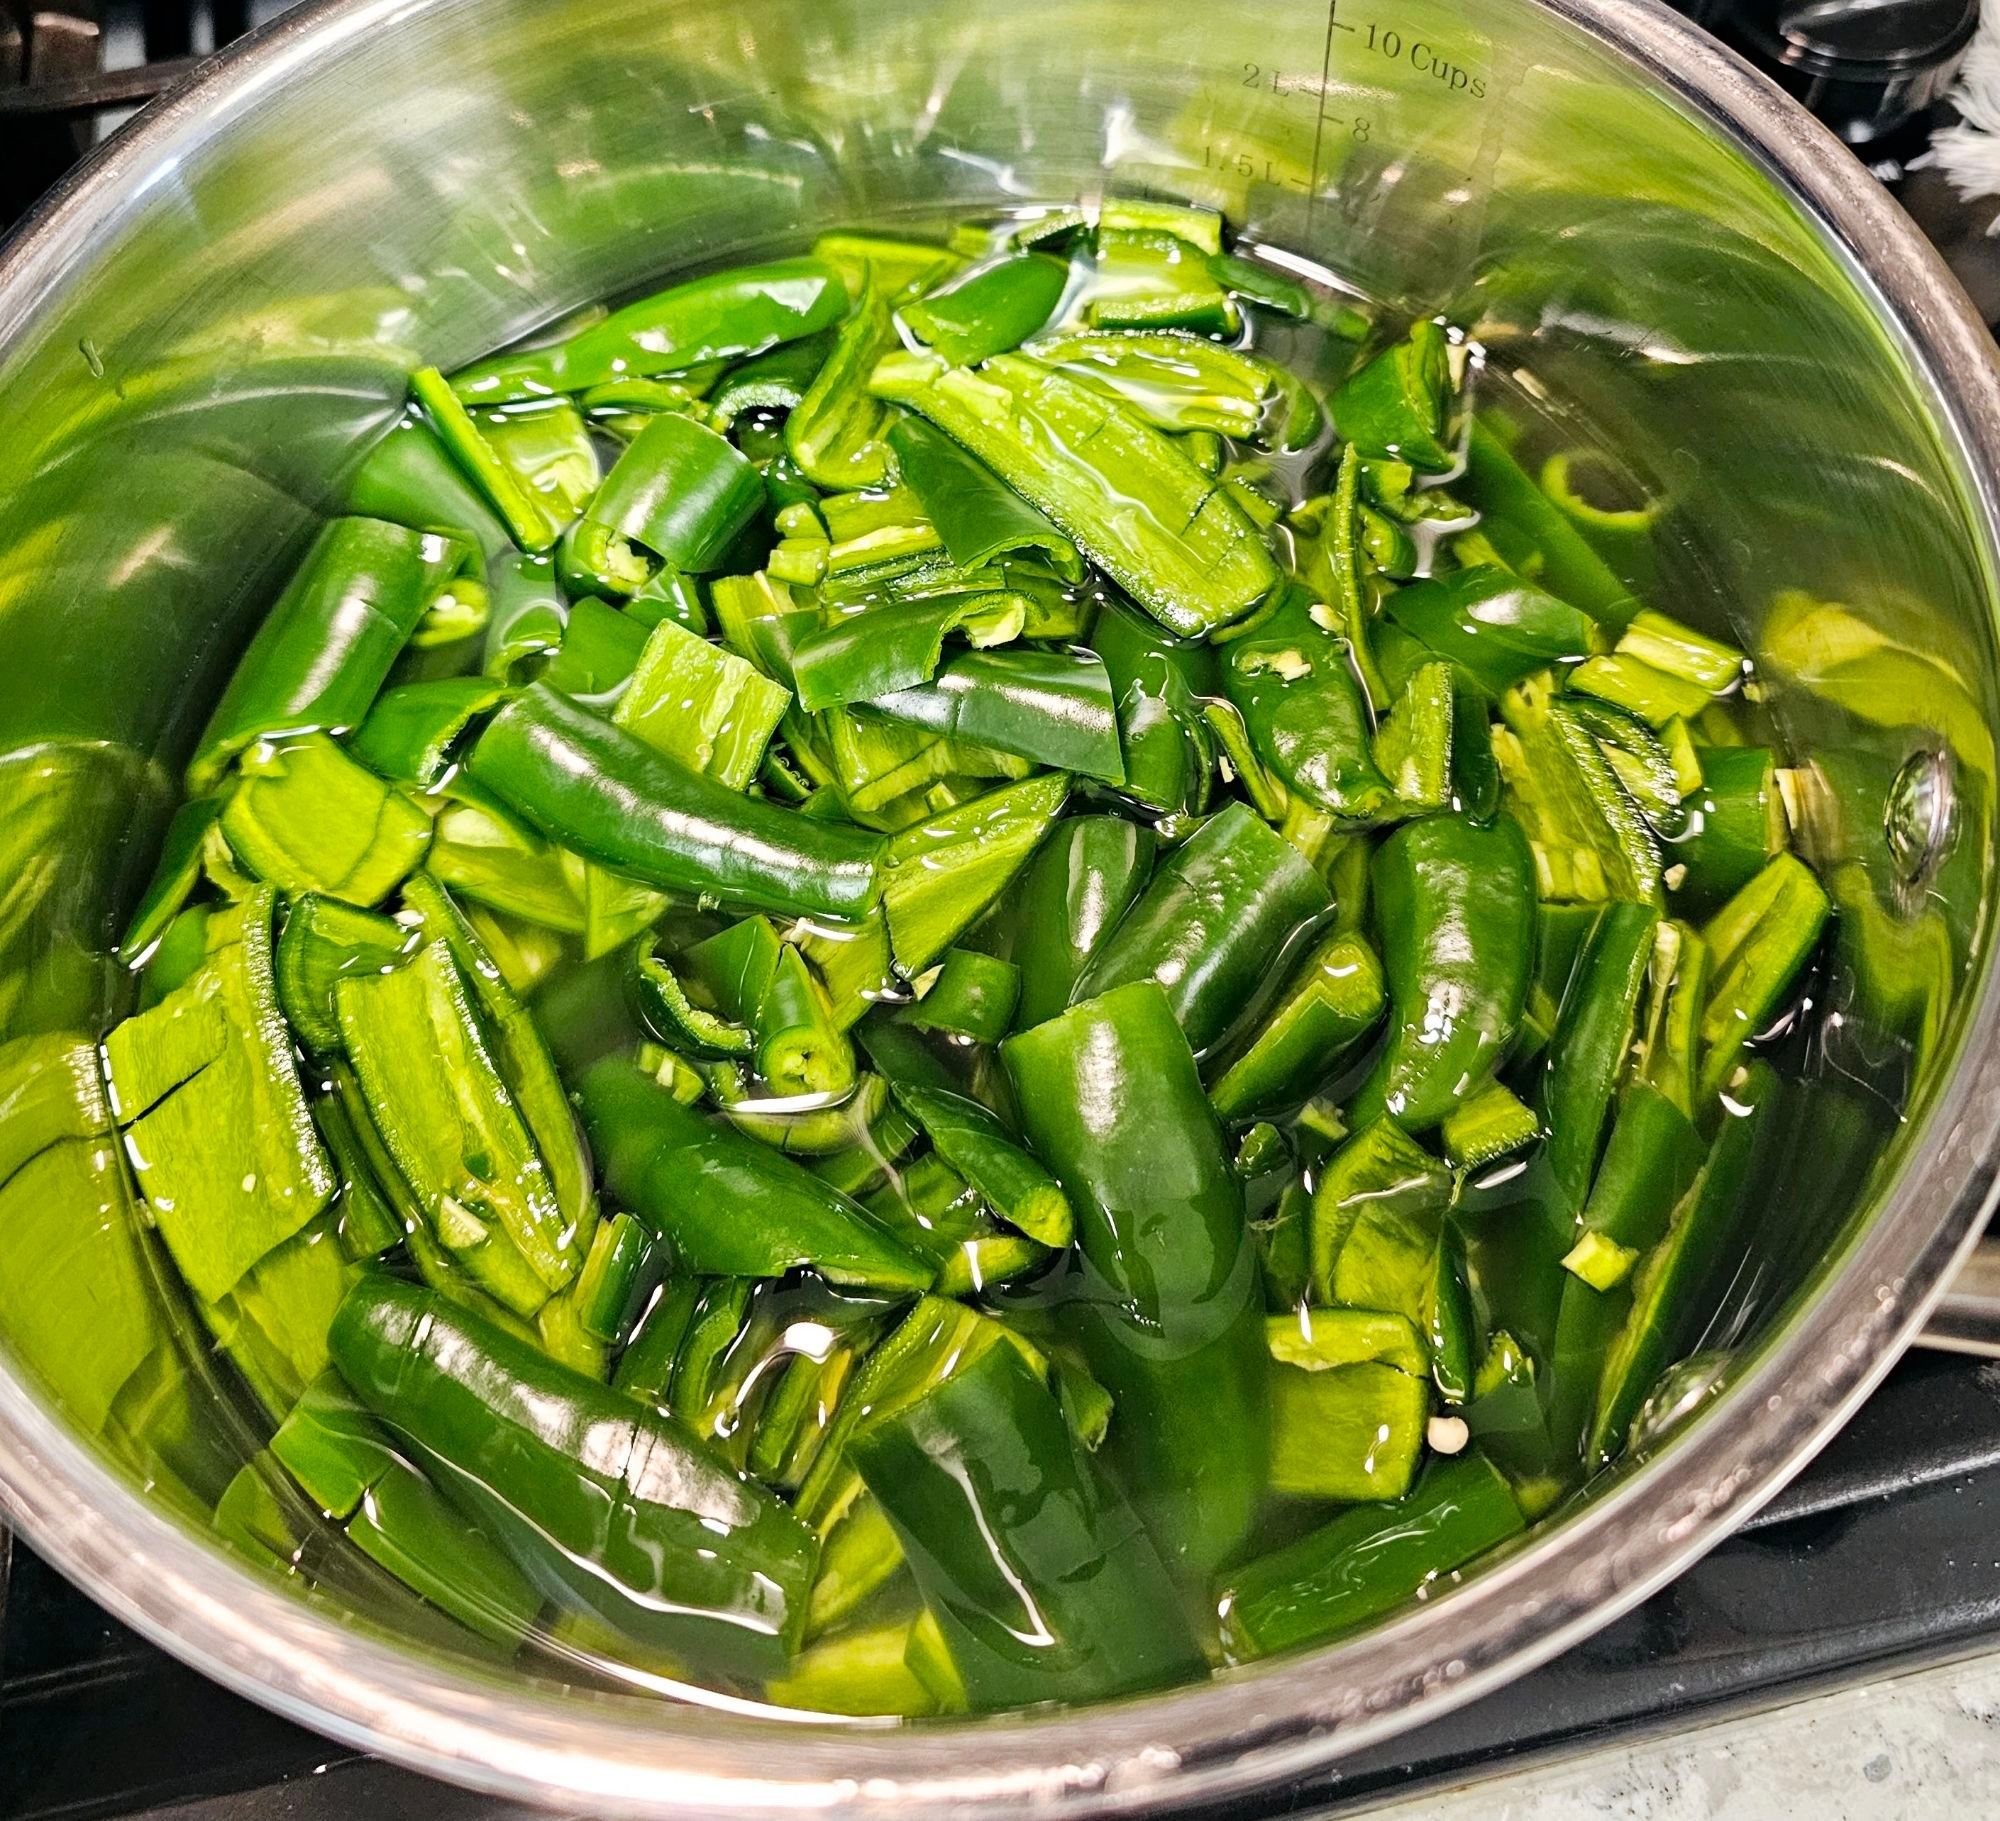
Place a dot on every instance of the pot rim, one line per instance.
(517, 1736)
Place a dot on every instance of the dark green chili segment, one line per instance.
(599, 792)
(958, 974)
(1492, 624)
(1217, 916)
(681, 491)
(1305, 710)
(1034, 1566)
(722, 317)
(1367, 1560)
(654, 1536)
(1132, 501)
(1592, 1040)
(324, 649)
(977, 517)
(1456, 904)
(691, 1179)
(1169, 1316)
(992, 311)
(1082, 881)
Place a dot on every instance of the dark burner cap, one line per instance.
(1857, 40)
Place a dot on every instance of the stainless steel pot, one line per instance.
(202, 327)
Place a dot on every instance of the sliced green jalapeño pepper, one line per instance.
(324, 649)
(1170, 536)
(974, 996)
(1304, 707)
(1759, 940)
(602, 792)
(1054, 707)
(1651, 1161)
(1332, 1002)
(1397, 406)
(1456, 905)
(992, 311)
(1213, 922)
(1367, 1560)
(979, 517)
(1040, 1576)
(1491, 623)
(1592, 1041)
(681, 492)
(728, 1203)
(1082, 881)
(1736, 824)
(613, 1510)
(721, 317)
(1171, 1314)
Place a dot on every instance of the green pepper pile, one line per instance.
(945, 975)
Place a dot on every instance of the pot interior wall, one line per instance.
(191, 368)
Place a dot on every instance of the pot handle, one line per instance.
(1967, 1320)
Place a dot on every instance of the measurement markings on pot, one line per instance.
(1380, 38)
(1347, 41)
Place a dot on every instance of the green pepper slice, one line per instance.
(322, 941)
(613, 1510)
(991, 311)
(323, 650)
(1652, 1160)
(1592, 1042)
(1492, 624)
(1759, 941)
(725, 1202)
(1054, 707)
(1395, 408)
(1367, 1561)
(1456, 905)
(974, 996)
(895, 646)
(602, 792)
(723, 316)
(1334, 1000)
(1170, 536)
(1305, 710)
(1736, 826)
(1041, 1578)
(1664, 1311)
(455, 1129)
(978, 517)
(1170, 1316)
(1175, 381)
(1079, 886)
(1229, 901)
(1349, 1434)
(681, 492)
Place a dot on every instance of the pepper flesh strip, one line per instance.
(1170, 536)
(1042, 1580)
(723, 316)
(728, 1203)
(613, 1510)
(1171, 1318)
(1457, 911)
(322, 652)
(598, 790)
(1366, 1561)
(1213, 921)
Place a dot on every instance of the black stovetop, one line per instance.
(1880, 1555)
